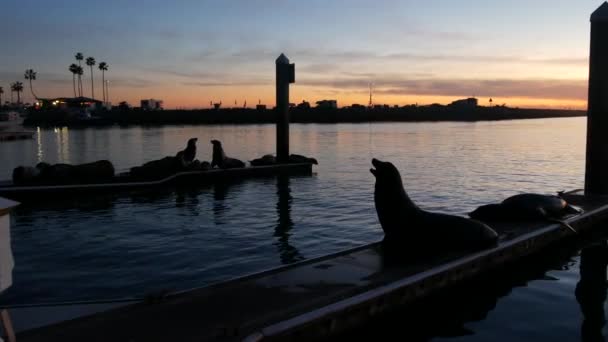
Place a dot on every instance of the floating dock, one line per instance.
(310, 300)
(8, 136)
(25, 193)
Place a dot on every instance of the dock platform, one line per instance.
(37, 192)
(309, 300)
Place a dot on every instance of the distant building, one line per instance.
(303, 105)
(74, 105)
(151, 104)
(471, 102)
(327, 104)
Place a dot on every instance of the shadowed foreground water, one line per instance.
(124, 245)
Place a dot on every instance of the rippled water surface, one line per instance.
(124, 245)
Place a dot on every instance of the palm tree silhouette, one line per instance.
(79, 58)
(91, 62)
(80, 73)
(74, 70)
(1, 92)
(17, 87)
(103, 66)
(30, 75)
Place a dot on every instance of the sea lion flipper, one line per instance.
(563, 223)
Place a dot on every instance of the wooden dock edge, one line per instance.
(342, 315)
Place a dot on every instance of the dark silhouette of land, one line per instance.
(297, 115)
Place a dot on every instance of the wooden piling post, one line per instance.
(6, 263)
(596, 170)
(285, 76)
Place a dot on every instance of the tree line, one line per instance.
(77, 72)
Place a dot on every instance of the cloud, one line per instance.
(532, 88)
(316, 58)
(487, 59)
(229, 84)
(133, 82)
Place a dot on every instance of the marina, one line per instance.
(101, 240)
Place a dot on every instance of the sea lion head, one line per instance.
(192, 141)
(216, 142)
(393, 205)
(386, 174)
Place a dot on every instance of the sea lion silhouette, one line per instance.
(187, 155)
(297, 158)
(527, 206)
(220, 159)
(267, 159)
(413, 230)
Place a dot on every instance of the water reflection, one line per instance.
(220, 191)
(188, 198)
(591, 291)
(39, 152)
(287, 252)
(63, 141)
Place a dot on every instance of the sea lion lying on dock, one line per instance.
(413, 231)
(267, 159)
(527, 206)
(296, 158)
(220, 159)
(184, 160)
(156, 169)
(46, 174)
(23, 175)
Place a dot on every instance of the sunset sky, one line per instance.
(531, 53)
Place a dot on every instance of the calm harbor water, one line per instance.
(125, 245)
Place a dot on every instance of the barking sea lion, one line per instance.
(415, 231)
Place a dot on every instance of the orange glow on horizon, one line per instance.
(192, 97)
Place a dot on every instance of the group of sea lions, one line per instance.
(185, 161)
(103, 171)
(47, 174)
(413, 231)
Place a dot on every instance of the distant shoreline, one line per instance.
(297, 115)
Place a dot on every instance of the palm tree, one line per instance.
(30, 75)
(74, 70)
(79, 58)
(17, 87)
(1, 92)
(103, 66)
(91, 62)
(80, 72)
